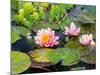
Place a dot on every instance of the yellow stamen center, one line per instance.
(45, 38)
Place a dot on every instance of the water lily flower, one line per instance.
(93, 43)
(46, 38)
(72, 30)
(86, 39)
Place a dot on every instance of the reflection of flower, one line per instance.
(86, 39)
(72, 30)
(46, 38)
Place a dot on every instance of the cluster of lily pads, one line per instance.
(53, 36)
(78, 47)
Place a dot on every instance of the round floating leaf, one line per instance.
(55, 56)
(14, 36)
(90, 58)
(21, 30)
(73, 44)
(71, 57)
(40, 55)
(44, 25)
(89, 27)
(83, 50)
(86, 18)
(19, 62)
(68, 56)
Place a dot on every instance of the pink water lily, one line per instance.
(72, 30)
(46, 38)
(86, 39)
(93, 43)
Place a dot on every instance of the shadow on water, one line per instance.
(22, 45)
(58, 68)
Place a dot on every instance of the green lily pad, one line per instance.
(14, 36)
(87, 15)
(73, 44)
(44, 25)
(90, 58)
(55, 56)
(88, 27)
(68, 56)
(83, 50)
(86, 18)
(71, 57)
(16, 31)
(40, 55)
(19, 62)
(21, 30)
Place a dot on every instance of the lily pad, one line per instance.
(44, 25)
(14, 36)
(16, 31)
(88, 27)
(73, 44)
(71, 57)
(90, 59)
(68, 56)
(40, 55)
(55, 56)
(83, 50)
(86, 18)
(20, 62)
(20, 30)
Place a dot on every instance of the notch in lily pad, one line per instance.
(68, 56)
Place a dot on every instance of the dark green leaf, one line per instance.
(21, 30)
(90, 58)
